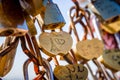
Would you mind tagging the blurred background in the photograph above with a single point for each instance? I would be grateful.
(16, 72)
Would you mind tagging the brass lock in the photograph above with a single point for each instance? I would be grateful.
(11, 24)
(34, 7)
(89, 49)
(111, 58)
(85, 49)
(6, 61)
(53, 18)
(111, 27)
(55, 43)
(71, 72)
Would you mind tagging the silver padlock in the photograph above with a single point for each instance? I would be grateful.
(33, 7)
(11, 19)
(7, 60)
(53, 18)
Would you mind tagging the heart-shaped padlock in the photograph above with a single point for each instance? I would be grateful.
(86, 49)
(89, 49)
(71, 72)
(55, 43)
(112, 59)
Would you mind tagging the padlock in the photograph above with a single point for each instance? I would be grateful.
(106, 9)
(71, 72)
(55, 43)
(34, 7)
(85, 49)
(30, 24)
(6, 61)
(53, 18)
(11, 24)
(110, 58)
(111, 27)
(89, 49)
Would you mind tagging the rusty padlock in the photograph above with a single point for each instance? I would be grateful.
(53, 18)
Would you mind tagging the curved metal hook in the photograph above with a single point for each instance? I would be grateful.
(46, 65)
(27, 52)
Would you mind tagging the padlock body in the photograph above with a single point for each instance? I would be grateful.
(112, 57)
(55, 43)
(53, 18)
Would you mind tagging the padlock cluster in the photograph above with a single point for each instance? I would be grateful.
(99, 41)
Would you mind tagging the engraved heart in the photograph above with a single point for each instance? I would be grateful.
(71, 72)
(55, 43)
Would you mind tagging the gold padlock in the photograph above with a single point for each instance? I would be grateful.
(111, 27)
(111, 58)
(11, 24)
(85, 49)
(71, 72)
(89, 49)
(55, 43)
(53, 18)
(6, 61)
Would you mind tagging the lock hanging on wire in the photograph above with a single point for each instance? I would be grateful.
(53, 17)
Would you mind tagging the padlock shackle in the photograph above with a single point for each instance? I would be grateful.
(87, 28)
(74, 22)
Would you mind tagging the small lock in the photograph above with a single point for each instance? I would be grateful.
(11, 24)
(112, 27)
(111, 58)
(89, 49)
(34, 7)
(6, 61)
(108, 9)
(55, 43)
(71, 72)
(53, 18)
